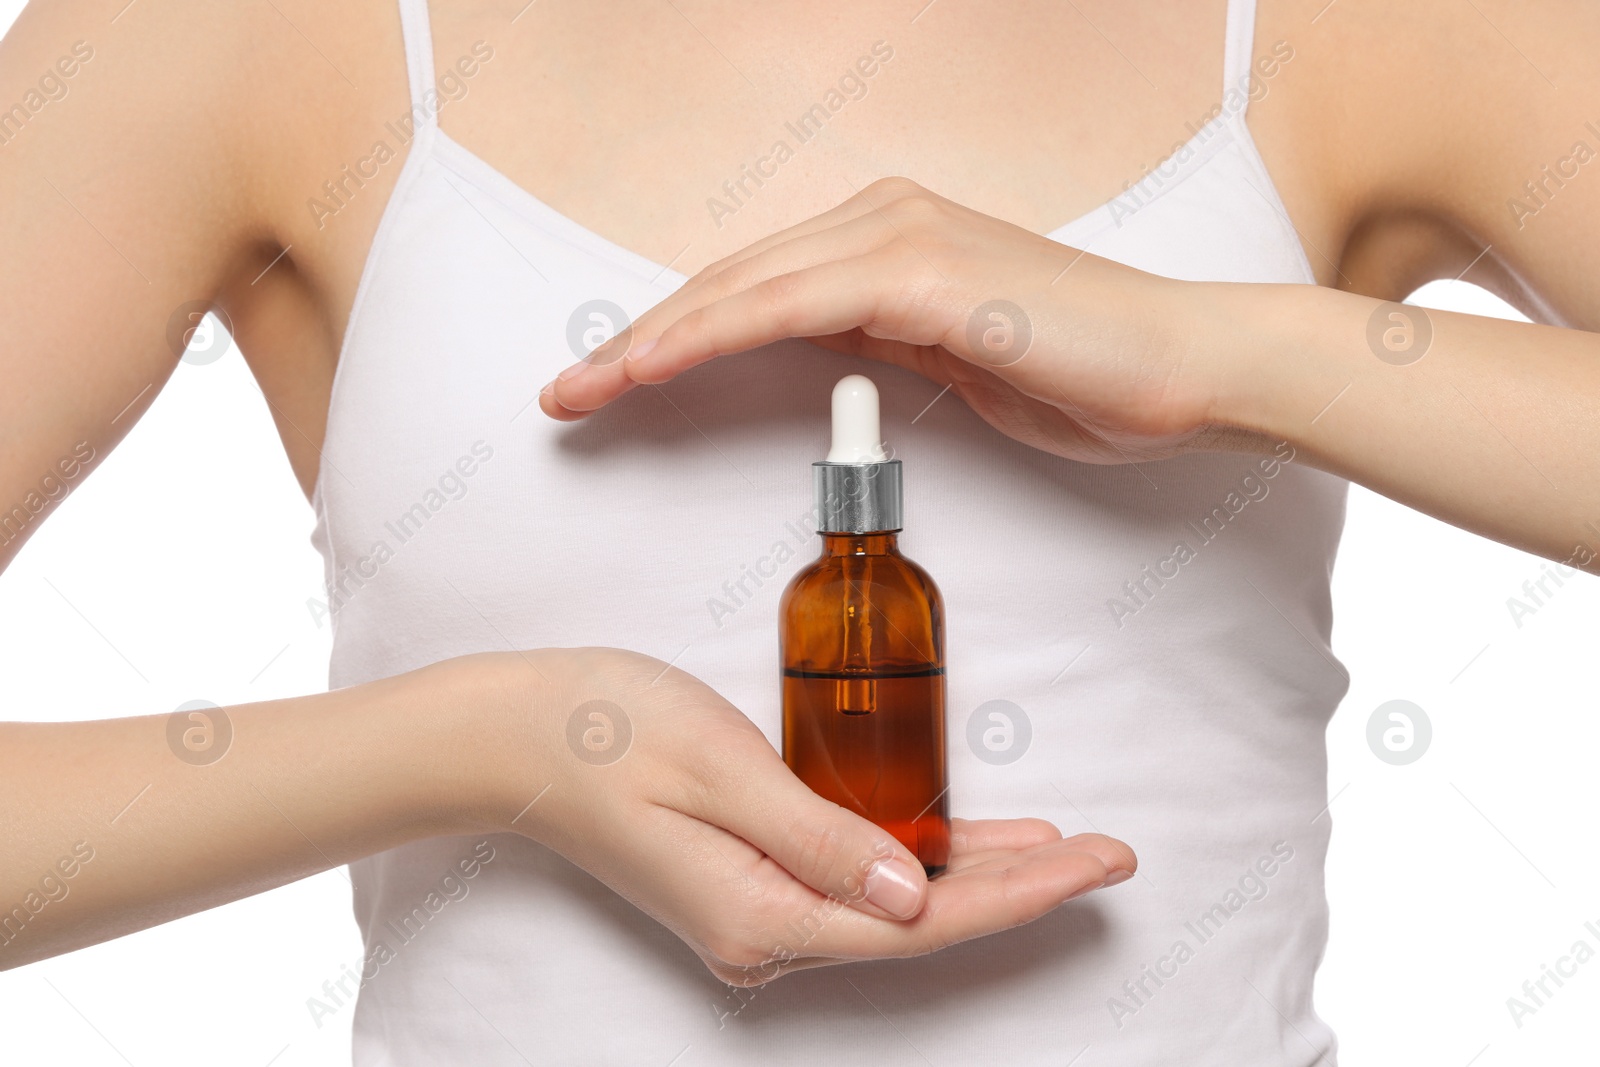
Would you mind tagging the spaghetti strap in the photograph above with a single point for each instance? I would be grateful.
(1236, 54)
(419, 59)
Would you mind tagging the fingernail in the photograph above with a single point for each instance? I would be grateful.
(892, 886)
(640, 350)
(572, 372)
(1117, 877)
(1086, 890)
(548, 390)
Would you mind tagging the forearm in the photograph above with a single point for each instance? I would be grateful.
(110, 829)
(1495, 428)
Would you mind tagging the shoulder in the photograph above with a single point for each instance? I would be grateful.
(1414, 124)
(155, 157)
(211, 108)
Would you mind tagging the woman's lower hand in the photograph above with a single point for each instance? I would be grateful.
(1064, 351)
(668, 794)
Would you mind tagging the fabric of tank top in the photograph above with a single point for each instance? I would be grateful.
(1139, 650)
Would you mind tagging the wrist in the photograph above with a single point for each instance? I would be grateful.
(1267, 369)
(480, 722)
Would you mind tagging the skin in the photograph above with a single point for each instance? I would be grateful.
(179, 167)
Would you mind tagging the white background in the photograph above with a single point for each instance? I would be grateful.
(181, 571)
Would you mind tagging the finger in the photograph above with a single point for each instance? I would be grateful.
(1116, 855)
(828, 848)
(555, 409)
(863, 202)
(829, 298)
(1117, 870)
(833, 297)
(603, 376)
(1120, 863)
(602, 387)
(992, 859)
(980, 835)
(605, 373)
(1119, 860)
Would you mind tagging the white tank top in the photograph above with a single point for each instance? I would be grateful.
(1137, 650)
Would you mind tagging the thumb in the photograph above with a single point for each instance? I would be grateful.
(829, 848)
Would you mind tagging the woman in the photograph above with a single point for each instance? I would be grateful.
(1131, 498)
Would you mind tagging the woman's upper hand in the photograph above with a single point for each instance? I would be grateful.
(1062, 350)
(667, 793)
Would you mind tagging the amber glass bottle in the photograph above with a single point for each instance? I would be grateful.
(861, 633)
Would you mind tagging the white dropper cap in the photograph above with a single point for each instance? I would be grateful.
(858, 485)
(856, 433)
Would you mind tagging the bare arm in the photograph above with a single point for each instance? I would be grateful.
(129, 200)
(121, 202)
(1495, 427)
(116, 825)
(1466, 145)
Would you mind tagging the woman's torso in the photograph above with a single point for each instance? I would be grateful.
(1155, 637)
(630, 119)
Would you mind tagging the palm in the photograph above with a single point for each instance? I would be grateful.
(1061, 428)
(1002, 873)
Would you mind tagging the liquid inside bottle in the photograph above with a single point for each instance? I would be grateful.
(862, 639)
(873, 743)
